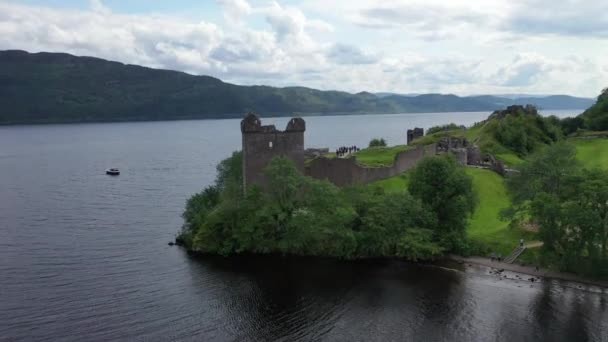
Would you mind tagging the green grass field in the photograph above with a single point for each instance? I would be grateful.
(485, 226)
(592, 152)
(379, 156)
(396, 183)
(511, 159)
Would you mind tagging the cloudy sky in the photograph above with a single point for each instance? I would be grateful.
(407, 46)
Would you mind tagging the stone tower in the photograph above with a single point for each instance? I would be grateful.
(262, 143)
(413, 134)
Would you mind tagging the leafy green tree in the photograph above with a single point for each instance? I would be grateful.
(228, 185)
(377, 142)
(596, 116)
(447, 191)
(571, 125)
(392, 226)
(524, 133)
(416, 244)
(230, 174)
(197, 209)
(569, 204)
(552, 171)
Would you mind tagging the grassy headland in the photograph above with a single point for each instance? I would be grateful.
(379, 156)
(435, 208)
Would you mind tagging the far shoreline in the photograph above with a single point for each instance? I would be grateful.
(233, 116)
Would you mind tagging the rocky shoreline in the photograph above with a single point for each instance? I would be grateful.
(498, 266)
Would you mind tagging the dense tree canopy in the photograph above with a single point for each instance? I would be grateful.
(596, 117)
(446, 190)
(523, 133)
(570, 205)
(299, 215)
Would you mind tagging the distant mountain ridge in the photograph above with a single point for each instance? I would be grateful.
(541, 101)
(58, 87)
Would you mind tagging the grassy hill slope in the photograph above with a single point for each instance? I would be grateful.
(485, 227)
(592, 152)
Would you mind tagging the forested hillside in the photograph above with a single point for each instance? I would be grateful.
(57, 87)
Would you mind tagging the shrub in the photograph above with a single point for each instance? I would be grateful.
(377, 142)
(447, 191)
(448, 127)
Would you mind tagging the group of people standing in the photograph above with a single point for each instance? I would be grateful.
(344, 150)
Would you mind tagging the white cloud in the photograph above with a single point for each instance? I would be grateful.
(235, 10)
(525, 70)
(581, 18)
(456, 46)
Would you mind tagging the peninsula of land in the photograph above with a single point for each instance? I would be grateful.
(517, 187)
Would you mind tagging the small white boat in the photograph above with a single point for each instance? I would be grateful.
(112, 172)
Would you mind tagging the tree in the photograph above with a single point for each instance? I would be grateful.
(447, 191)
(392, 226)
(230, 174)
(571, 125)
(570, 206)
(596, 116)
(377, 142)
(552, 171)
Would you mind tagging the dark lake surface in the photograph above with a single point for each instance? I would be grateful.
(84, 256)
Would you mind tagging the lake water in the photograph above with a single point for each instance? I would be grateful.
(84, 256)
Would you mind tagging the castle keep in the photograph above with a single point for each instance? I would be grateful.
(262, 143)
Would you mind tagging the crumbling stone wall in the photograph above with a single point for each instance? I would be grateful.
(315, 152)
(473, 155)
(489, 161)
(346, 171)
(446, 144)
(458, 146)
(262, 143)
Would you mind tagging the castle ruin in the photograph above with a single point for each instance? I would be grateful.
(262, 143)
(413, 134)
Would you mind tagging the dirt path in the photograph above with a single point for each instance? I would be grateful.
(529, 270)
(534, 244)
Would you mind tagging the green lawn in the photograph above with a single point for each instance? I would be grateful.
(510, 159)
(379, 156)
(592, 152)
(396, 183)
(485, 227)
